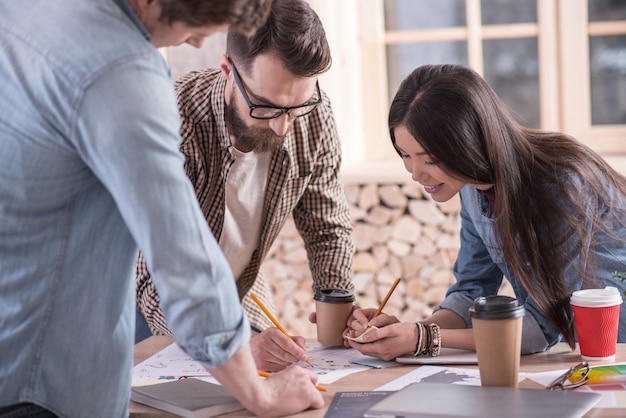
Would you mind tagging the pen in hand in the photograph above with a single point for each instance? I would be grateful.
(274, 321)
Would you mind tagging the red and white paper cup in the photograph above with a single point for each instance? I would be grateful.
(596, 316)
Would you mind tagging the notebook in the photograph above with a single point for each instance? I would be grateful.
(353, 404)
(447, 356)
(191, 398)
(430, 400)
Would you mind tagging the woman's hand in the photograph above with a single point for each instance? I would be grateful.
(390, 340)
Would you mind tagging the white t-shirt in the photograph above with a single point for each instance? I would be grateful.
(245, 194)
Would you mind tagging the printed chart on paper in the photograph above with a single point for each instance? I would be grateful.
(329, 363)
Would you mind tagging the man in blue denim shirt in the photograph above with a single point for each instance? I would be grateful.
(90, 169)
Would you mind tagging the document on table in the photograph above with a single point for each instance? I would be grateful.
(329, 363)
(437, 374)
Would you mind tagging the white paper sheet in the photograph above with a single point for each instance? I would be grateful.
(438, 374)
(329, 363)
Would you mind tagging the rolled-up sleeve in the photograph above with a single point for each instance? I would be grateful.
(475, 271)
(480, 270)
(322, 215)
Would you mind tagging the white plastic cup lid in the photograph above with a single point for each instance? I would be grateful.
(596, 298)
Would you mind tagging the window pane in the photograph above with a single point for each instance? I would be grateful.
(608, 79)
(607, 10)
(497, 12)
(404, 58)
(424, 14)
(185, 58)
(511, 69)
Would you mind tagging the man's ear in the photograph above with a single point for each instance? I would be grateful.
(225, 66)
(142, 7)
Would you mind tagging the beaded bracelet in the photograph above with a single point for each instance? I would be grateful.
(428, 340)
(435, 343)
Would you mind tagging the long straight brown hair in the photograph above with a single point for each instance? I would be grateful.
(541, 179)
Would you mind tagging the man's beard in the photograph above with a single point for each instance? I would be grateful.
(251, 138)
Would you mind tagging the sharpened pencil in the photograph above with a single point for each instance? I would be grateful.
(384, 302)
(274, 321)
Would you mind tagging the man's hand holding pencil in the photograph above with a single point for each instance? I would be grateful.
(274, 349)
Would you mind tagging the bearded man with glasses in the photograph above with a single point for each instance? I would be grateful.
(261, 144)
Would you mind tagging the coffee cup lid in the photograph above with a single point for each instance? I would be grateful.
(334, 295)
(596, 298)
(496, 307)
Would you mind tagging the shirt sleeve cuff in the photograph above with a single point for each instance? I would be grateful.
(459, 304)
(215, 350)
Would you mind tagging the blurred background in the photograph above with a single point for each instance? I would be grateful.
(559, 64)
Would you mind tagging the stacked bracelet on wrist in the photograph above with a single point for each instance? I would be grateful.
(419, 348)
(435, 340)
(428, 340)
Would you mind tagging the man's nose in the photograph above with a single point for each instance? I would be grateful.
(280, 125)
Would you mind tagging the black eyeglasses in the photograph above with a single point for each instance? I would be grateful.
(573, 378)
(271, 112)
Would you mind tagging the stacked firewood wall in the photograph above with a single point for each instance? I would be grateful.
(398, 232)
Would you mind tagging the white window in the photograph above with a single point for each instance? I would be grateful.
(559, 64)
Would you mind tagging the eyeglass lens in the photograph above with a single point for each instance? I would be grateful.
(261, 112)
(271, 112)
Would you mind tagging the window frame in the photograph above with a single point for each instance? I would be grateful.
(562, 31)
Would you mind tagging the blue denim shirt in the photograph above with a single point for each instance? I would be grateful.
(89, 169)
(480, 268)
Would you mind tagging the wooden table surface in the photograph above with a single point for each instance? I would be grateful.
(559, 357)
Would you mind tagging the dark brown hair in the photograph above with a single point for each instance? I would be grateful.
(293, 31)
(541, 179)
(243, 16)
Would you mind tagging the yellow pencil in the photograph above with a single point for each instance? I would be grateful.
(266, 374)
(384, 302)
(274, 321)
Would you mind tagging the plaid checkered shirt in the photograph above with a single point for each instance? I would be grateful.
(303, 180)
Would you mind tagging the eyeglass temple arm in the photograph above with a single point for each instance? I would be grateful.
(559, 381)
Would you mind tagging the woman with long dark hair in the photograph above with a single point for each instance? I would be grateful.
(539, 208)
